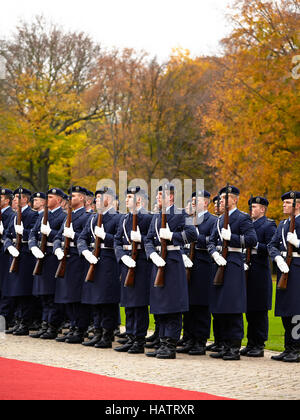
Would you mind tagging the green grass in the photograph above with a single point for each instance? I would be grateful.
(276, 330)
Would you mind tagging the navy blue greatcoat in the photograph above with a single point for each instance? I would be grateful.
(45, 283)
(173, 297)
(20, 283)
(231, 296)
(7, 216)
(202, 270)
(106, 285)
(259, 285)
(287, 301)
(139, 294)
(69, 288)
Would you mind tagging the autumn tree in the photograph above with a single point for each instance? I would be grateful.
(253, 122)
(47, 74)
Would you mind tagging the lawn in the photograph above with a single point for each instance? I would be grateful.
(276, 331)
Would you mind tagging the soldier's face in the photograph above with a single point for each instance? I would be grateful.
(24, 201)
(232, 202)
(168, 201)
(288, 207)
(78, 200)
(38, 203)
(130, 201)
(257, 211)
(53, 201)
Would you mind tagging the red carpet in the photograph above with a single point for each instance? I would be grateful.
(30, 381)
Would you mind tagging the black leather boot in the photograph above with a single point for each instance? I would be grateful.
(138, 346)
(50, 334)
(41, 331)
(223, 348)
(77, 337)
(198, 349)
(106, 340)
(22, 330)
(187, 346)
(162, 343)
(293, 356)
(168, 351)
(125, 347)
(95, 339)
(233, 352)
(256, 351)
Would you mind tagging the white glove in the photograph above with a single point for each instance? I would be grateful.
(45, 229)
(157, 260)
(1, 228)
(166, 233)
(69, 232)
(37, 252)
(292, 238)
(13, 251)
(128, 261)
(246, 267)
(136, 236)
(89, 256)
(59, 254)
(188, 263)
(226, 233)
(281, 264)
(99, 231)
(219, 259)
(19, 229)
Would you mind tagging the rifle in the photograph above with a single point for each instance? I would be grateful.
(219, 277)
(282, 284)
(38, 269)
(129, 281)
(248, 251)
(160, 275)
(192, 249)
(14, 268)
(91, 273)
(61, 269)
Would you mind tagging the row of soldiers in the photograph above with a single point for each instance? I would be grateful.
(180, 304)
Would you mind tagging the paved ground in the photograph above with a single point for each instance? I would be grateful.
(247, 379)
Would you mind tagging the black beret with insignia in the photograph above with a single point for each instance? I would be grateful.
(290, 195)
(231, 190)
(258, 200)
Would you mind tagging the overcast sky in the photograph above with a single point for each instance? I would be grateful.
(156, 26)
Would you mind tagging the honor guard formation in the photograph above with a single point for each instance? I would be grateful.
(69, 261)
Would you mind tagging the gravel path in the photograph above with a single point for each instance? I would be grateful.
(247, 379)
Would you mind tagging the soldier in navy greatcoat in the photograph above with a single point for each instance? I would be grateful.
(7, 213)
(19, 284)
(228, 301)
(69, 289)
(44, 285)
(104, 292)
(198, 318)
(287, 304)
(259, 281)
(135, 299)
(171, 301)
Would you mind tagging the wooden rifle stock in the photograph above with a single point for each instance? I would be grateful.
(248, 250)
(219, 277)
(38, 269)
(283, 281)
(14, 268)
(61, 269)
(91, 273)
(160, 275)
(129, 280)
